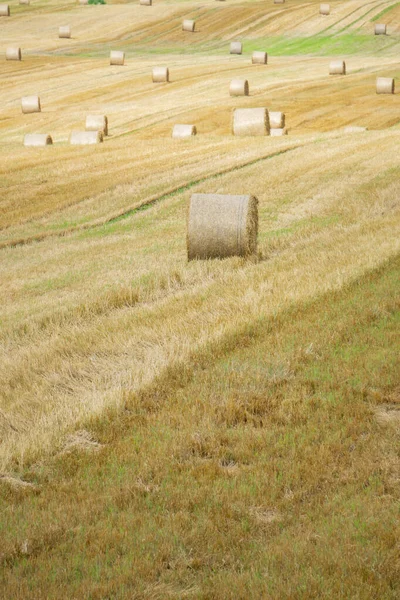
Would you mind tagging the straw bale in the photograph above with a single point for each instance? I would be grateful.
(222, 225)
(188, 25)
(83, 1)
(279, 1)
(259, 58)
(38, 139)
(278, 131)
(236, 48)
(64, 31)
(4, 10)
(354, 129)
(30, 104)
(117, 57)
(146, 2)
(13, 54)
(250, 121)
(239, 87)
(380, 29)
(81, 138)
(24, 1)
(276, 119)
(183, 131)
(337, 67)
(97, 123)
(324, 9)
(384, 85)
(160, 74)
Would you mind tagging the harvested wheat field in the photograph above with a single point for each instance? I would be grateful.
(218, 428)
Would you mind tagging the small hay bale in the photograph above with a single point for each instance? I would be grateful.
(324, 9)
(276, 119)
(250, 121)
(354, 129)
(188, 25)
(146, 2)
(4, 10)
(239, 87)
(64, 31)
(97, 123)
(380, 29)
(31, 104)
(236, 48)
(82, 138)
(337, 67)
(278, 131)
(222, 225)
(117, 57)
(160, 74)
(259, 58)
(38, 139)
(84, 2)
(279, 1)
(384, 85)
(13, 54)
(24, 1)
(184, 131)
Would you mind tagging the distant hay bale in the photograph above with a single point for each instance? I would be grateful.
(220, 226)
(24, 1)
(146, 2)
(259, 58)
(4, 10)
(380, 29)
(160, 74)
(117, 57)
(236, 48)
(324, 9)
(30, 104)
(279, 1)
(188, 25)
(250, 122)
(64, 31)
(239, 87)
(278, 131)
(384, 85)
(354, 129)
(82, 138)
(83, 1)
(184, 131)
(337, 67)
(38, 139)
(97, 123)
(276, 119)
(13, 54)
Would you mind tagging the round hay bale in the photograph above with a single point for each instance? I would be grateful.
(64, 31)
(82, 138)
(276, 119)
(4, 10)
(354, 129)
(384, 85)
(337, 67)
(84, 2)
(97, 123)
(279, 131)
(235, 48)
(239, 87)
(324, 9)
(117, 57)
(184, 131)
(24, 1)
(160, 74)
(13, 54)
(38, 139)
(250, 121)
(188, 25)
(30, 104)
(221, 225)
(279, 1)
(259, 58)
(146, 2)
(380, 29)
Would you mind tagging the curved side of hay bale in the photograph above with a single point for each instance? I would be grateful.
(146, 2)
(117, 57)
(324, 9)
(4, 10)
(235, 48)
(250, 122)
(337, 67)
(184, 131)
(97, 123)
(160, 74)
(188, 25)
(30, 104)
(380, 29)
(259, 58)
(384, 85)
(82, 138)
(239, 87)
(276, 119)
(64, 31)
(38, 139)
(221, 225)
(278, 131)
(13, 54)
(354, 129)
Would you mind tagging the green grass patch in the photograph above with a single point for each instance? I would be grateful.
(385, 11)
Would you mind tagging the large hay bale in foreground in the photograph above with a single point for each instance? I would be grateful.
(380, 29)
(259, 58)
(188, 25)
(337, 67)
(324, 9)
(38, 139)
(384, 85)
(83, 138)
(117, 57)
(235, 48)
(64, 31)
(239, 87)
(222, 225)
(250, 122)
(4, 10)
(146, 2)
(276, 119)
(13, 54)
(97, 123)
(30, 104)
(278, 131)
(160, 74)
(184, 131)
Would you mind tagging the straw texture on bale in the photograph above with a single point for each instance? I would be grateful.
(160, 74)
(4, 10)
(31, 104)
(250, 121)
(183, 131)
(354, 129)
(278, 131)
(64, 31)
(117, 57)
(188, 25)
(221, 225)
(259, 58)
(380, 29)
(235, 48)
(239, 87)
(324, 9)
(146, 2)
(384, 85)
(337, 67)
(13, 54)
(276, 119)
(82, 138)
(97, 123)
(37, 139)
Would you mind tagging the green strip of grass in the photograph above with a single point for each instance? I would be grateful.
(385, 11)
